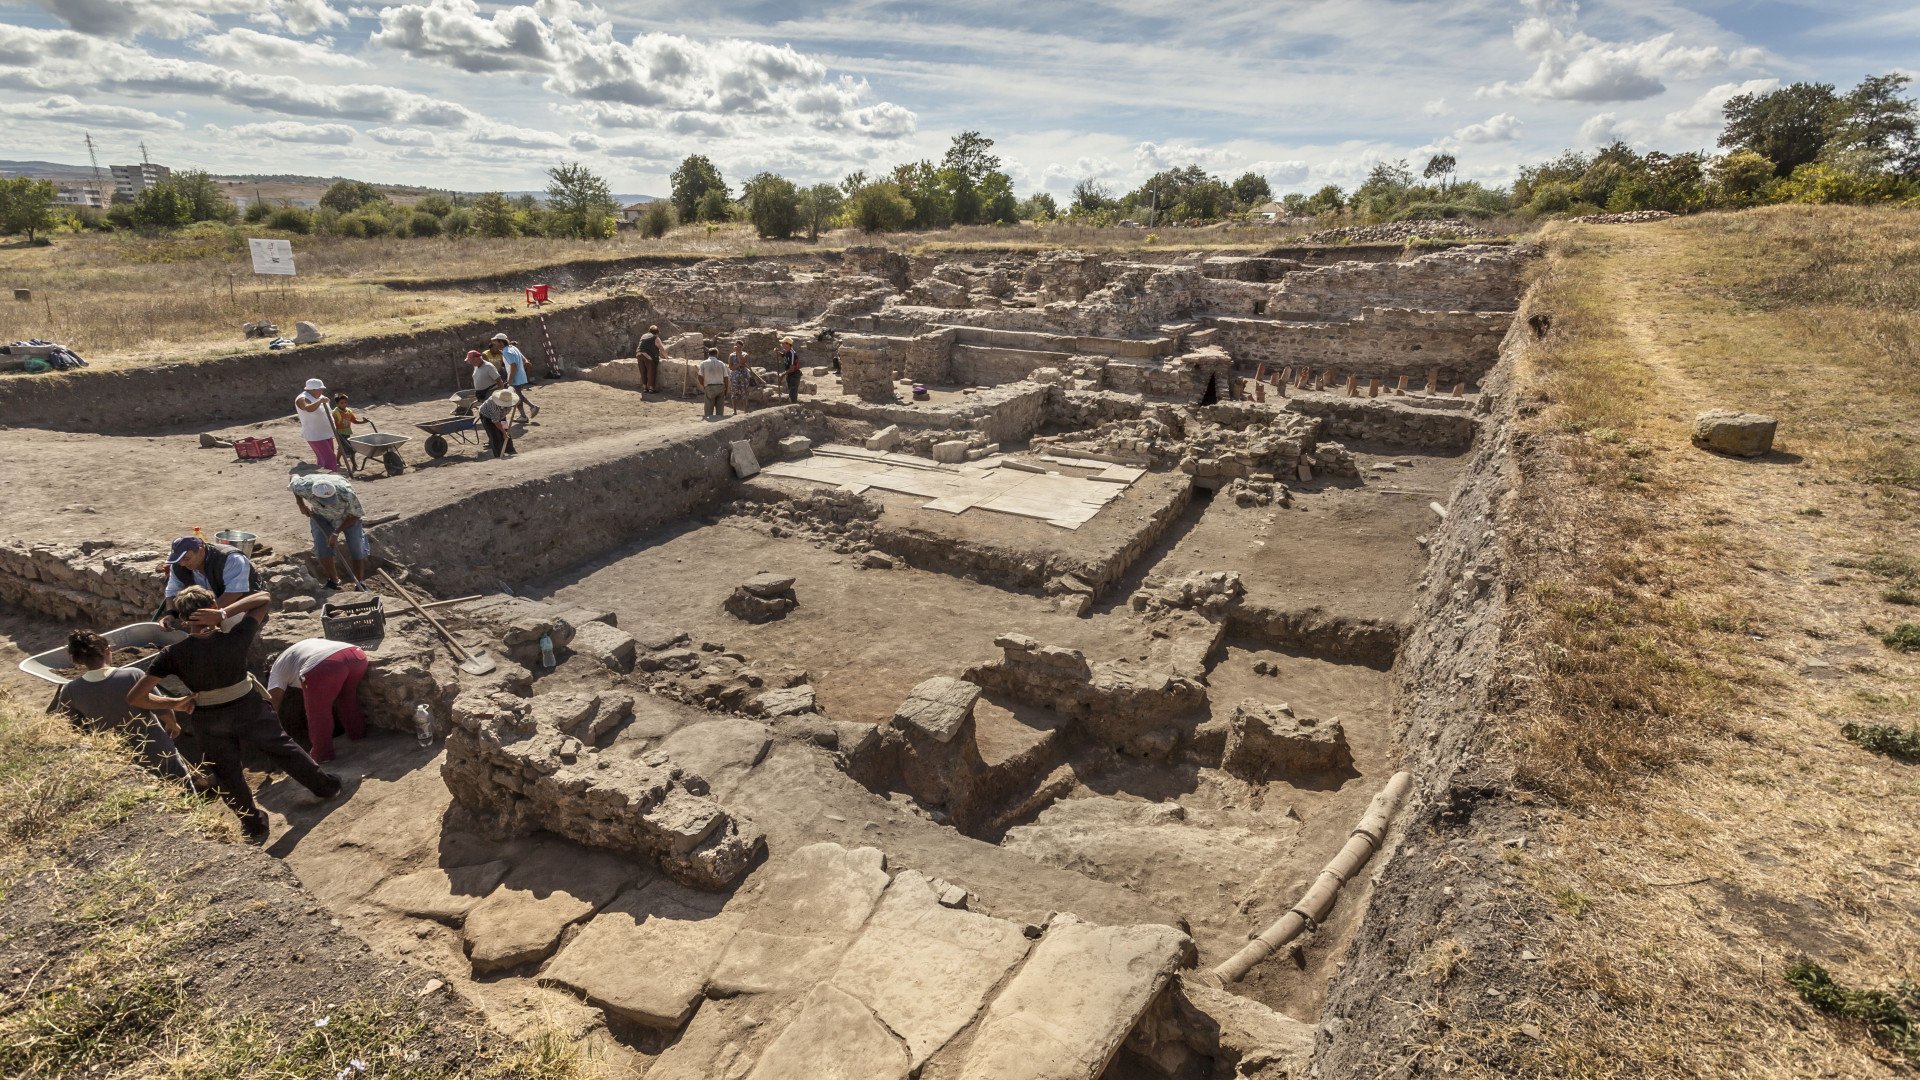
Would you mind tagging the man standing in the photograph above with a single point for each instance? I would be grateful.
(315, 410)
(496, 416)
(506, 355)
(486, 377)
(648, 353)
(327, 674)
(225, 709)
(713, 383)
(193, 561)
(333, 510)
(790, 361)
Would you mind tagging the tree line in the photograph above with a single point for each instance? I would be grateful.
(1806, 143)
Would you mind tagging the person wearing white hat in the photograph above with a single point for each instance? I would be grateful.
(496, 414)
(333, 513)
(312, 408)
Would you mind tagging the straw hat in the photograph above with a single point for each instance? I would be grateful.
(504, 399)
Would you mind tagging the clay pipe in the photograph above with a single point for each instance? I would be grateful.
(1318, 900)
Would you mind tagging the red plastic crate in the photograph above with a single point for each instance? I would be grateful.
(255, 449)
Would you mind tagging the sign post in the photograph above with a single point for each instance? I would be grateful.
(272, 257)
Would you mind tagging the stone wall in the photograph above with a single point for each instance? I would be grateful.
(610, 492)
(1384, 342)
(170, 397)
(869, 364)
(1398, 421)
(1473, 278)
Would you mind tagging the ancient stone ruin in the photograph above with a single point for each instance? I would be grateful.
(1054, 642)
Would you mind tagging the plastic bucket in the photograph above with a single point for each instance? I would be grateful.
(234, 538)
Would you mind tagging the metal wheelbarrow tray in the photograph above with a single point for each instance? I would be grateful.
(384, 446)
(438, 430)
(149, 634)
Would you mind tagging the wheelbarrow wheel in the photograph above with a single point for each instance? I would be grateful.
(392, 460)
(436, 446)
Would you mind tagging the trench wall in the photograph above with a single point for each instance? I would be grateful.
(1389, 420)
(1387, 342)
(1376, 1010)
(163, 398)
(578, 510)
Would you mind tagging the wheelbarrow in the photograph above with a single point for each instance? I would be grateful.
(462, 427)
(382, 445)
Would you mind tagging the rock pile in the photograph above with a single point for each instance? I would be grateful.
(763, 597)
(1398, 232)
(1264, 742)
(1624, 219)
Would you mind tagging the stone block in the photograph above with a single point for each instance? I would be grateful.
(611, 647)
(740, 455)
(645, 957)
(521, 921)
(814, 901)
(444, 895)
(1740, 434)
(884, 440)
(938, 708)
(836, 1036)
(1268, 741)
(794, 446)
(950, 453)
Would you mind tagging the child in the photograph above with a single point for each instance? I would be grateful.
(343, 421)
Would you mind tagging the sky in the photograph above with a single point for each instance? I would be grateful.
(472, 96)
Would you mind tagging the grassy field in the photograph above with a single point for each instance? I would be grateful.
(1702, 644)
(118, 926)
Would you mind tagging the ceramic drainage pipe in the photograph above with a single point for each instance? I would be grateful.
(1313, 906)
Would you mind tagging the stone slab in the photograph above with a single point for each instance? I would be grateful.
(924, 968)
(741, 455)
(1065, 1014)
(835, 1037)
(645, 957)
(444, 895)
(938, 707)
(812, 903)
(521, 921)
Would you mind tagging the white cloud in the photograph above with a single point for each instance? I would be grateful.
(179, 18)
(640, 81)
(66, 109)
(251, 47)
(1502, 128)
(1707, 111)
(522, 138)
(393, 136)
(1574, 66)
(88, 65)
(1436, 107)
(291, 132)
(1281, 173)
(1152, 157)
(1602, 129)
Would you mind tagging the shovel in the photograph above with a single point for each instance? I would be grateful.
(477, 663)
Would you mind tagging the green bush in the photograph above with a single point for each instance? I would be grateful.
(291, 219)
(1902, 744)
(656, 219)
(258, 211)
(1889, 1016)
(423, 224)
(879, 208)
(1905, 637)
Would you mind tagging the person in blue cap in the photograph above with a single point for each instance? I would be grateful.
(217, 568)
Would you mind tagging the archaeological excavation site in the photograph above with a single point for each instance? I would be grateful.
(1049, 692)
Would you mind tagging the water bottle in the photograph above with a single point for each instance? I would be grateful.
(423, 725)
(546, 651)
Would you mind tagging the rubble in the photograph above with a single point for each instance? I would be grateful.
(763, 597)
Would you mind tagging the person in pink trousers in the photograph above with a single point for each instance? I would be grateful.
(314, 408)
(327, 674)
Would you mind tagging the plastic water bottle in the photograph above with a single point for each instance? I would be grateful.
(423, 725)
(546, 651)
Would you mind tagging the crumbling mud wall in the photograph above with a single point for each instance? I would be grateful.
(1377, 1008)
(163, 398)
(596, 497)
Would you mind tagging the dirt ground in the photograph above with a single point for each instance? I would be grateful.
(67, 487)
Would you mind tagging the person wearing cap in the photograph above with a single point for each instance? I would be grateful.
(314, 409)
(194, 561)
(496, 415)
(486, 377)
(713, 383)
(225, 707)
(505, 354)
(333, 511)
(648, 353)
(790, 368)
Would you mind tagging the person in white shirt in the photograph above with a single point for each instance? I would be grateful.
(314, 409)
(486, 377)
(327, 674)
(713, 382)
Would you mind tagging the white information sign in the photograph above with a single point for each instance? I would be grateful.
(272, 256)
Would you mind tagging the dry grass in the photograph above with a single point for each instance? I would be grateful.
(1695, 634)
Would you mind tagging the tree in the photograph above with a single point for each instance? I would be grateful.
(1327, 198)
(854, 181)
(880, 208)
(1440, 167)
(1091, 196)
(927, 191)
(714, 206)
(161, 207)
(818, 205)
(1875, 129)
(773, 205)
(1038, 207)
(1250, 189)
(579, 203)
(26, 205)
(1742, 177)
(1788, 126)
(436, 203)
(258, 211)
(492, 215)
(346, 196)
(964, 171)
(997, 203)
(205, 201)
(656, 219)
(692, 181)
(969, 156)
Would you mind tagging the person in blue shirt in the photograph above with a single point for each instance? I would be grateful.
(512, 363)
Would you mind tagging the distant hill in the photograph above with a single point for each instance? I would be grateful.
(48, 170)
